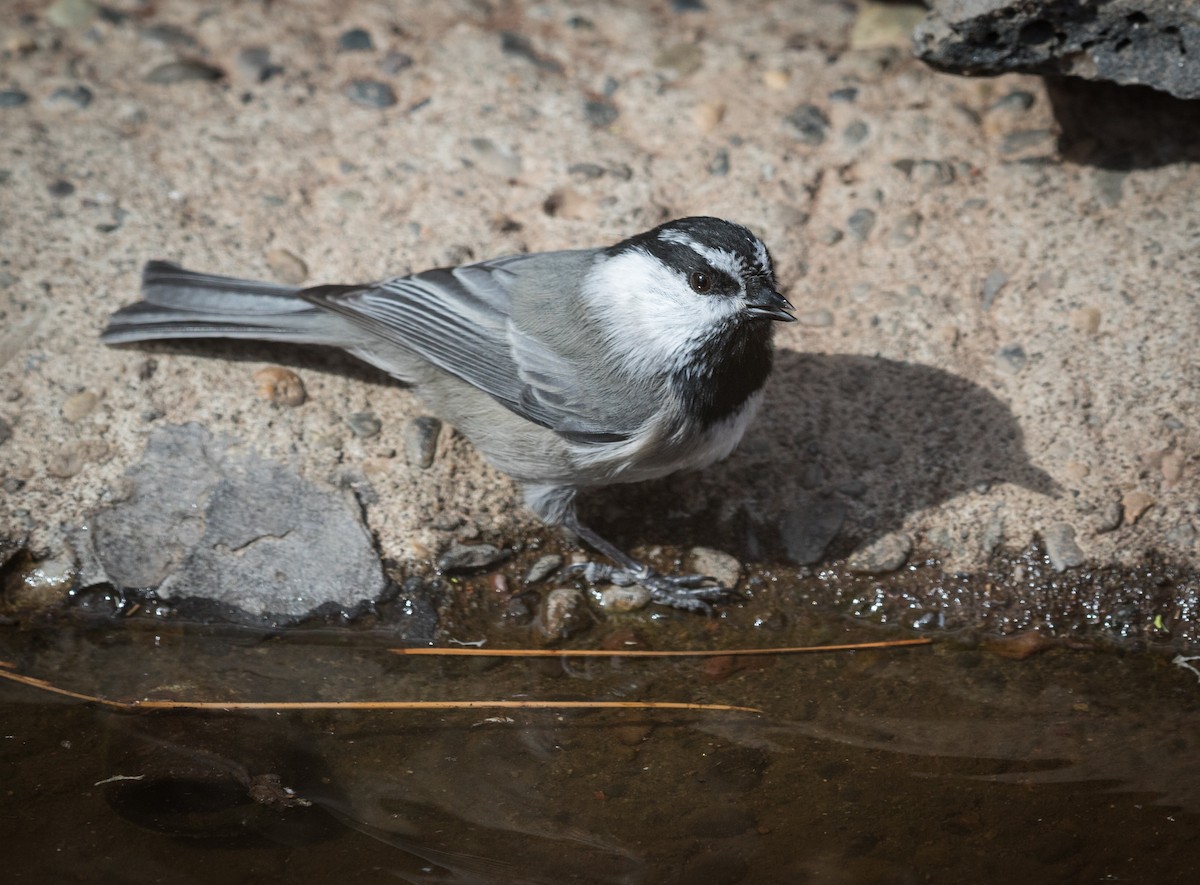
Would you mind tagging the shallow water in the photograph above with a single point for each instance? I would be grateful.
(942, 763)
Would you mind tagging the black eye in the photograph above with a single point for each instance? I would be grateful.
(700, 281)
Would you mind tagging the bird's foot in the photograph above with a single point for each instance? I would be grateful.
(690, 592)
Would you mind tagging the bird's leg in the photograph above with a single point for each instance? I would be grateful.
(691, 592)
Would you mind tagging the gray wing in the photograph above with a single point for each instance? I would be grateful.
(460, 320)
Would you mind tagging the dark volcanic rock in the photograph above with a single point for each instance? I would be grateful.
(1125, 41)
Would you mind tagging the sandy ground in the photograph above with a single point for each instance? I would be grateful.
(997, 336)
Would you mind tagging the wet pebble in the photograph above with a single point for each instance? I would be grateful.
(600, 114)
(808, 527)
(809, 123)
(467, 557)
(78, 97)
(563, 613)
(421, 440)
(887, 554)
(715, 564)
(624, 599)
(370, 93)
(355, 40)
(861, 222)
(364, 425)
(991, 286)
(1061, 548)
(543, 568)
(287, 267)
(13, 98)
(184, 71)
(280, 386)
(79, 406)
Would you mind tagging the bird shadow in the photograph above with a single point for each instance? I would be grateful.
(872, 439)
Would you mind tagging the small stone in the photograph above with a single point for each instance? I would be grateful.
(1064, 553)
(932, 173)
(809, 124)
(776, 79)
(861, 222)
(70, 13)
(370, 93)
(720, 163)
(1076, 471)
(566, 202)
(168, 35)
(845, 95)
(543, 568)
(586, 171)
(280, 386)
(715, 564)
(395, 62)
(1018, 100)
(1172, 467)
(624, 599)
(1085, 320)
(563, 613)
(991, 286)
(856, 133)
(13, 98)
(1025, 139)
(1109, 518)
(688, 5)
(885, 25)
(364, 425)
(1134, 504)
(421, 440)
(256, 61)
(185, 71)
(287, 267)
(60, 188)
(5, 431)
(600, 114)
(882, 556)
(1109, 185)
(78, 97)
(355, 40)
(818, 318)
(1012, 358)
(907, 229)
(683, 58)
(79, 406)
(708, 116)
(809, 527)
(512, 43)
(468, 557)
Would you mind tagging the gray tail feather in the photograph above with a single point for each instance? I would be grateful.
(180, 303)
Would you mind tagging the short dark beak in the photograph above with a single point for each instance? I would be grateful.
(763, 302)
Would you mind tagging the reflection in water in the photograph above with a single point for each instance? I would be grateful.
(938, 765)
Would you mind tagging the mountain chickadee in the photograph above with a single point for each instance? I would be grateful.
(567, 370)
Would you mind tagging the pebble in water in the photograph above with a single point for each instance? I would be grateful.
(468, 557)
(563, 614)
(543, 568)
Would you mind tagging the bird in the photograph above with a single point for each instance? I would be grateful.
(568, 370)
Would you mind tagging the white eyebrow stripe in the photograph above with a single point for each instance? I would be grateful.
(761, 256)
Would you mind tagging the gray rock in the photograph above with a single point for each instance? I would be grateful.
(512, 43)
(883, 555)
(78, 96)
(395, 62)
(1064, 553)
(861, 222)
(355, 40)
(856, 133)
(1125, 41)
(564, 613)
(168, 35)
(907, 229)
(364, 425)
(421, 439)
(1013, 358)
(845, 95)
(13, 98)
(370, 93)
(468, 557)
(807, 528)
(543, 568)
(207, 520)
(809, 123)
(185, 71)
(60, 188)
(991, 286)
(1017, 101)
(600, 114)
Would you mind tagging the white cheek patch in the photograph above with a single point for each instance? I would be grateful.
(649, 313)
